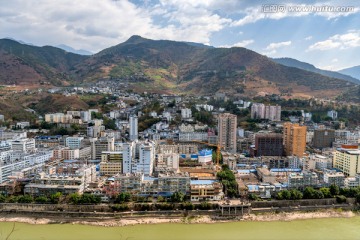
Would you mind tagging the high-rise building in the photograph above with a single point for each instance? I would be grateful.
(257, 111)
(73, 142)
(260, 111)
(185, 113)
(100, 145)
(294, 139)
(347, 160)
(333, 114)
(111, 163)
(139, 157)
(323, 138)
(133, 121)
(269, 144)
(227, 126)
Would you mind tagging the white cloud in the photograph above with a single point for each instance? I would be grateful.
(272, 48)
(350, 39)
(290, 9)
(243, 43)
(308, 38)
(94, 24)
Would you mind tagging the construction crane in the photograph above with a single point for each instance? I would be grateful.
(218, 151)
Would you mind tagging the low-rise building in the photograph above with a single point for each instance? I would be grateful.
(45, 184)
(302, 180)
(332, 177)
(206, 190)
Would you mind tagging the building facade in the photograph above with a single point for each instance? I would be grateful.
(294, 137)
(227, 125)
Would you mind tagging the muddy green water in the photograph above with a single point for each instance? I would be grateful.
(329, 228)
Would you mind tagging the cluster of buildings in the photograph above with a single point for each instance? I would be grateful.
(168, 158)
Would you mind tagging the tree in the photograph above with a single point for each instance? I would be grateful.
(2, 198)
(340, 199)
(178, 197)
(25, 199)
(295, 194)
(357, 196)
(123, 197)
(326, 192)
(74, 198)
(318, 194)
(334, 190)
(41, 199)
(88, 198)
(109, 123)
(309, 193)
(286, 194)
(55, 198)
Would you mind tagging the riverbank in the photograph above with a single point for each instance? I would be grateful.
(111, 222)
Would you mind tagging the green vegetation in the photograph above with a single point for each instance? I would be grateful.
(310, 193)
(123, 197)
(292, 194)
(85, 198)
(144, 122)
(120, 207)
(227, 178)
(178, 197)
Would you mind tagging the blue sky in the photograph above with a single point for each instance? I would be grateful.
(306, 30)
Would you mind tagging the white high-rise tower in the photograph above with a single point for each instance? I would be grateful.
(133, 120)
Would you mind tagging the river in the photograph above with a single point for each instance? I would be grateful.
(326, 228)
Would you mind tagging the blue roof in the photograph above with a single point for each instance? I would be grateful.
(253, 187)
(285, 170)
(241, 165)
(202, 182)
(147, 178)
(165, 194)
(243, 171)
(70, 161)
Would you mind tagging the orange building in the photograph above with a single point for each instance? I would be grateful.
(294, 139)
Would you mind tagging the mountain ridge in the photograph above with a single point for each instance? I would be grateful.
(352, 71)
(168, 66)
(291, 62)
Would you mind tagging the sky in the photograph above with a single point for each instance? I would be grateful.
(323, 33)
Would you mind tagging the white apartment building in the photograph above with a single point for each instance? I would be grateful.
(58, 118)
(133, 122)
(24, 162)
(193, 136)
(73, 142)
(168, 161)
(23, 144)
(206, 107)
(139, 157)
(348, 161)
(260, 111)
(186, 113)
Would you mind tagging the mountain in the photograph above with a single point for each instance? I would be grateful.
(353, 71)
(72, 50)
(26, 64)
(179, 67)
(167, 67)
(290, 62)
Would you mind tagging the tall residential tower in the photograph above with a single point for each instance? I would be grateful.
(227, 125)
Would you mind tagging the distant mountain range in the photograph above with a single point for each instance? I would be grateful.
(72, 50)
(353, 71)
(167, 66)
(290, 62)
